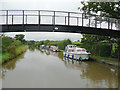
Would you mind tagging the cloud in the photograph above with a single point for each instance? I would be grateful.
(38, 36)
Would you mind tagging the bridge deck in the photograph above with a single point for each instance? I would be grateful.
(58, 21)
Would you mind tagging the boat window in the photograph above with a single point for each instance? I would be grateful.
(72, 50)
(70, 46)
(69, 50)
(83, 50)
(79, 50)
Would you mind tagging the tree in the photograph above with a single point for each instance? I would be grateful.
(20, 37)
(104, 9)
(107, 9)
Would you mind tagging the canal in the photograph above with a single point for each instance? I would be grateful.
(45, 69)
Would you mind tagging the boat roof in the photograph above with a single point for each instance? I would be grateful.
(80, 48)
(71, 45)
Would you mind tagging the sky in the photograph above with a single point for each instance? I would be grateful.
(58, 5)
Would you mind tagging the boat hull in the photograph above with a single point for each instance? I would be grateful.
(77, 56)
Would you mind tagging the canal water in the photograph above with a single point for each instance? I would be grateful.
(45, 69)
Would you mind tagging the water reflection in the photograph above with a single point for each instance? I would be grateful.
(47, 63)
(31, 47)
(100, 74)
(10, 65)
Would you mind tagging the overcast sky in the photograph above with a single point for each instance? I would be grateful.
(59, 5)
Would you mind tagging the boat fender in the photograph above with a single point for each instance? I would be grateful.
(89, 57)
(68, 56)
(72, 56)
(65, 55)
(80, 58)
(76, 59)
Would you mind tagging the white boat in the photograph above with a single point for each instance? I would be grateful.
(71, 51)
(42, 46)
(54, 48)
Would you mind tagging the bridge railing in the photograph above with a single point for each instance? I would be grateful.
(12, 17)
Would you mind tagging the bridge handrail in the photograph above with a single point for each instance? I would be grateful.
(83, 16)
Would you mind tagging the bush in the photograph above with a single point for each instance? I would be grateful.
(11, 49)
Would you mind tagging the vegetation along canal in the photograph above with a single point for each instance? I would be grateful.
(45, 69)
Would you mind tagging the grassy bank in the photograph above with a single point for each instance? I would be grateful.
(4, 57)
(106, 60)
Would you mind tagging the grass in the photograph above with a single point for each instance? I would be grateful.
(106, 58)
(4, 56)
(8, 56)
(76, 43)
(20, 49)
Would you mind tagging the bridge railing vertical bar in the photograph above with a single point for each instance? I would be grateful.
(68, 18)
(54, 19)
(82, 19)
(89, 21)
(12, 19)
(77, 21)
(39, 21)
(26, 19)
(23, 18)
(7, 17)
(100, 23)
(95, 21)
(108, 23)
(65, 20)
